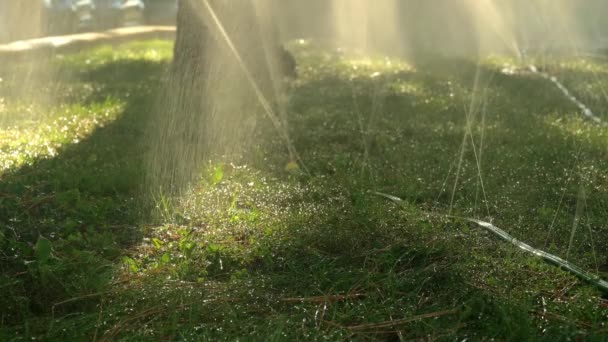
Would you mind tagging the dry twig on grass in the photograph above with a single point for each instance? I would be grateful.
(396, 322)
(323, 299)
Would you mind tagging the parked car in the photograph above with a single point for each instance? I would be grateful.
(67, 16)
(59, 17)
(161, 12)
(118, 13)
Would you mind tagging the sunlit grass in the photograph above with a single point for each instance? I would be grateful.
(30, 138)
(154, 51)
(69, 172)
(349, 65)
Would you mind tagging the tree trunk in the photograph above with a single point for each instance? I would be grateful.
(226, 72)
(192, 33)
(207, 28)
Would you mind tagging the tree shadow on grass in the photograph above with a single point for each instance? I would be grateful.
(84, 202)
(410, 143)
(331, 256)
(65, 220)
(332, 260)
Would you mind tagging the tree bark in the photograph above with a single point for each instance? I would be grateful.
(226, 70)
(192, 34)
(247, 24)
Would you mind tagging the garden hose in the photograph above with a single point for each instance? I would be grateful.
(550, 258)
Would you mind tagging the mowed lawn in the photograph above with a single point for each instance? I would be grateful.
(259, 249)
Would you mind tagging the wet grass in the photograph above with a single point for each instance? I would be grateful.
(256, 250)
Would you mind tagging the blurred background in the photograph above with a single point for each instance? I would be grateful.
(59, 17)
(394, 27)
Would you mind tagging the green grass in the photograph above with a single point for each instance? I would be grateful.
(257, 251)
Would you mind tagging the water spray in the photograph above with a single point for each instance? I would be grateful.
(567, 93)
(279, 125)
